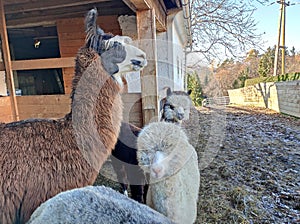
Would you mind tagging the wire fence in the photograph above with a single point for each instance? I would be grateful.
(221, 101)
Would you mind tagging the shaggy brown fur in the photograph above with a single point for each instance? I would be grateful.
(40, 158)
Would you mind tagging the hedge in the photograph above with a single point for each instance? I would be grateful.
(279, 78)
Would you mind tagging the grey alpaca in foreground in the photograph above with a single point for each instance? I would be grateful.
(95, 205)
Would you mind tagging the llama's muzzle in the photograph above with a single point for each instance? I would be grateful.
(137, 64)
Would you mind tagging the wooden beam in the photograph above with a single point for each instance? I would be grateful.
(31, 17)
(66, 62)
(130, 5)
(7, 62)
(147, 37)
(46, 5)
(138, 4)
(161, 15)
(158, 6)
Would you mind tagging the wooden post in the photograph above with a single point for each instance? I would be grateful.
(283, 39)
(278, 42)
(281, 34)
(147, 36)
(7, 63)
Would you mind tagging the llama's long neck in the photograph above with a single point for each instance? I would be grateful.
(96, 111)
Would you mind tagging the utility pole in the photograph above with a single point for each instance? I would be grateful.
(281, 36)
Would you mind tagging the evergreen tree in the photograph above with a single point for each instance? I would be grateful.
(193, 83)
(293, 51)
(240, 81)
(266, 62)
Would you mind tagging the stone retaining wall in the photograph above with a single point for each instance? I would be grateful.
(283, 97)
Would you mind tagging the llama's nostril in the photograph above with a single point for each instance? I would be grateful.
(135, 62)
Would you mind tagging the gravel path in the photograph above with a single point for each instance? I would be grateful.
(250, 165)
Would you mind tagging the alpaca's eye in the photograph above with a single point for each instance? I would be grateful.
(145, 158)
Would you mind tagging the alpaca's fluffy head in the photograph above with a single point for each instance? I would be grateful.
(117, 52)
(163, 149)
(176, 106)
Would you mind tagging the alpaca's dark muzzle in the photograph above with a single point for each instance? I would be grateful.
(180, 116)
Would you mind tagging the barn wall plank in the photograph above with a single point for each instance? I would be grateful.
(57, 106)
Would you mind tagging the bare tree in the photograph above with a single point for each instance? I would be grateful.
(223, 27)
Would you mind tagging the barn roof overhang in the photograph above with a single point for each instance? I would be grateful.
(26, 13)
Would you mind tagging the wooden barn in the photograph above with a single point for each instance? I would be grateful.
(40, 39)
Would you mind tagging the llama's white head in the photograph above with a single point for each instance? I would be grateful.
(176, 106)
(117, 53)
(135, 58)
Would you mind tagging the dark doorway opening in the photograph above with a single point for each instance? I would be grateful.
(36, 43)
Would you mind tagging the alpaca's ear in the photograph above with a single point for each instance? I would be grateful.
(162, 103)
(169, 91)
(189, 92)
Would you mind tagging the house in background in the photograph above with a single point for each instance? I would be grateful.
(170, 52)
(40, 40)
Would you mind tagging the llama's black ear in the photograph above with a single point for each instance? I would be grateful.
(93, 33)
(169, 91)
(189, 92)
(91, 22)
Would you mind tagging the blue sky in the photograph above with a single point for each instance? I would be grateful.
(267, 18)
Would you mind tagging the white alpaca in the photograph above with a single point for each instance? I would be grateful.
(175, 107)
(164, 152)
(95, 205)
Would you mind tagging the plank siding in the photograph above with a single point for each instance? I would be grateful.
(132, 111)
(71, 37)
(45, 106)
(57, 106)
(5, 108)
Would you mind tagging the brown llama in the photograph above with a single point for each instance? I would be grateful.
(40, 158)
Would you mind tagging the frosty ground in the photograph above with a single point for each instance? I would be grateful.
(250, 166)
